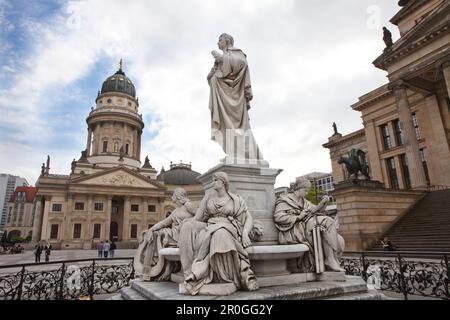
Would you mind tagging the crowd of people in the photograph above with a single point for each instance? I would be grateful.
(106, 249)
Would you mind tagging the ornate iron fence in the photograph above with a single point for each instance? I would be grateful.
(65, 280)
(408, 273)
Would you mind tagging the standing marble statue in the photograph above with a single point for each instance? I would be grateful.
(148, 263)
(212, 245)
(295, 217)
(229, 101)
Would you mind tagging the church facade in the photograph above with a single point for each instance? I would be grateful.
(108, 195)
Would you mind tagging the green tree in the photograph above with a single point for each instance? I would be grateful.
(314, 194)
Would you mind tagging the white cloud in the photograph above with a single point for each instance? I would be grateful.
(308, 63)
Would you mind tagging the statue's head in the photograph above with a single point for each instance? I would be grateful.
(220, 179)
(180, 196)
(225, 41)
(301, 186)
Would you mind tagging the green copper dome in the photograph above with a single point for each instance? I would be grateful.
(119, 82)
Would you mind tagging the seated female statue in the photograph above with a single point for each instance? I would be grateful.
(148, 263)
(212, 245)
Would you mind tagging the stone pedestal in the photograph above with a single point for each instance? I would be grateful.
(255, 183)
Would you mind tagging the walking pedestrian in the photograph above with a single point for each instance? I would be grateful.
(37, 252)
(48, 249)
(100, 249)
(106, 247)
(112, 248)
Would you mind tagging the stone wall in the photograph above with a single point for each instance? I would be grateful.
(366, 210)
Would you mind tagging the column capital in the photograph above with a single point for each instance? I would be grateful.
(397, 85)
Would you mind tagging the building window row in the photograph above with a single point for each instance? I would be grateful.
(399, 136)
(99, 206)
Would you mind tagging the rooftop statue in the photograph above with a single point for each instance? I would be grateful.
(387, 37)
(229, 101)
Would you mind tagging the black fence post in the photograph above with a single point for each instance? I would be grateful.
(363, 271)
(401, 279)
(447, 280)
(60, 291)
(19, 291)
(92, 284)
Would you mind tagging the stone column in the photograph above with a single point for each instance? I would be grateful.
(108, 218)
(89, 142)
(66, 227)
(373, 152)
(144, 213)
(126, 219)
(37, 221)
(400, 175)
(89, 227)
(417, 174)
(139, 134)
(135, 143)
(446, 71)
(45, 224)
(439, 148)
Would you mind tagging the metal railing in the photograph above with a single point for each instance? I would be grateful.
(65, 280)
(409, 273)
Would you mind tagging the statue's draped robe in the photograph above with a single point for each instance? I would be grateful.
(229, 102)
(294, 220)
(148, 261)
(211, 250)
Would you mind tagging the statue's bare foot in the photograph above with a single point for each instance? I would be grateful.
(334, 266)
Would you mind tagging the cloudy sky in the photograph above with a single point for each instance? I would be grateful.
(309, 61)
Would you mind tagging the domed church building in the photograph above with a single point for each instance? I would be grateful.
(109, 194)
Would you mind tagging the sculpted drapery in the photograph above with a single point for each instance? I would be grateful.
(295, 217)
(212, 245)
(229, 102)
(148, 263)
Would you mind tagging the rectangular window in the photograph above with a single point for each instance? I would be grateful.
(416, 126)
(405, 171)
(79, 205)
(134, 208)
(105, 146)
(386, 137)
(97, 230)
(133, 234)
(126, 149)
(425, 166)
(77, 231)
(56, 207)
(398, 133)
(151, 208)
(98, 206)
(54, 231)
(392, 173)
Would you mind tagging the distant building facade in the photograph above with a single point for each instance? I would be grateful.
(109, 195)
(406, 134)
(20, 212)
(322, 180)
(8, 183)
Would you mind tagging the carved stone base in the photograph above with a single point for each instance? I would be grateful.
(331, 276)
(215, 289)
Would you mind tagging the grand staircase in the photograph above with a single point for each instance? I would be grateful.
(426, 227)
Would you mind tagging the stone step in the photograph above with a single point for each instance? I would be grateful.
(128, 293)
(370, 295)
(304, 291)
(116, 297)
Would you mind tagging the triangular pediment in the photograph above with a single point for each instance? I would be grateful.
(118, 177)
